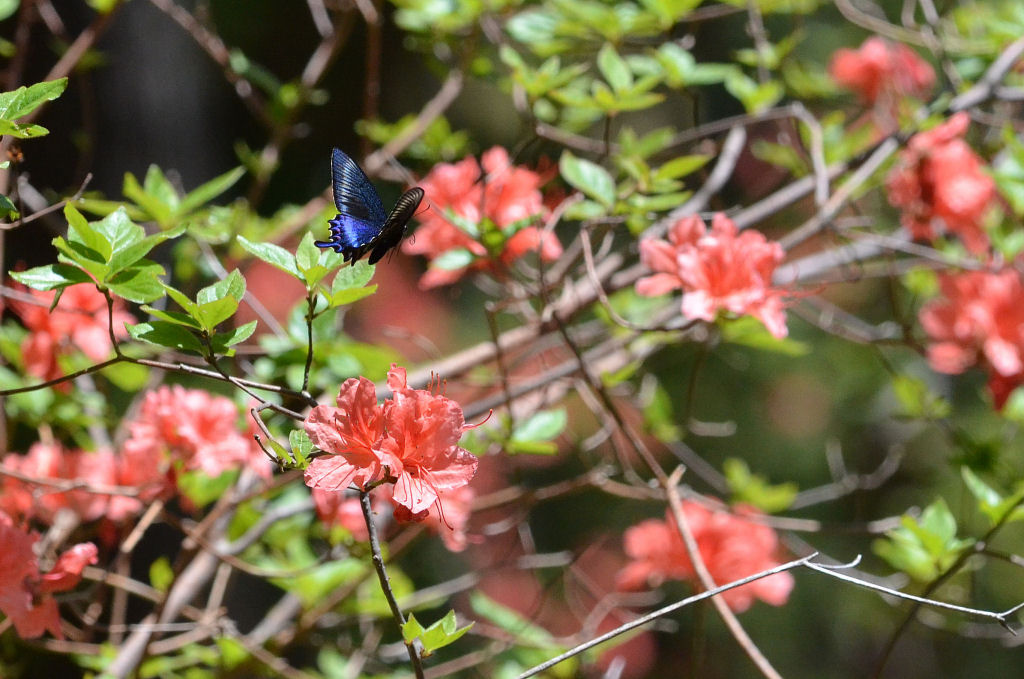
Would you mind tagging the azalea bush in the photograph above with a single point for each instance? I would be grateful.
(702, 355)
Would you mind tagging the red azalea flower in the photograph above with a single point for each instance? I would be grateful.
(410, 440)
(192, 427)
(79, 322)
(718, 270)
(507, 197)
(979, 319)
(731, 547)
(25, 595)
(879, 69)
(939, 182)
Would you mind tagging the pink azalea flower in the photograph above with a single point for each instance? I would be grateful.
(410, 440)
(193, 428)
(732, 547)
(879, 69)
(978, 319)
(336, 508)
(507, 195)
(26, 595)
(50, 461)
(718, 270)
(939, 182)
(78, 323)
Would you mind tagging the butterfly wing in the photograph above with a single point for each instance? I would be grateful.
(360, 216)
(361, 224)
(354, 195)
(394, 226)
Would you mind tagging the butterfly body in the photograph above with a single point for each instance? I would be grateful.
(361, 225)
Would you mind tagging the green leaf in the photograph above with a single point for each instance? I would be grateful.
(748, 331)
(233, 337)
(453, 260)
(343, 297)
(161, 575)
(51, 276)
(993, 505)
(302, 447)
(232, 285)
(923, 548)
(918, 400)
(140, 283)
(681, 167)
(614, 69)
(307, 256)
(155, 208)
(590, 178)
(8, 8)
(24, 100)
(272, 254)
(175, 317)
(8, 210)
(204, 193)
(211, 314)
(541, 426)
(442, 633)
(166, 334)
(755, 490)
(182, 300)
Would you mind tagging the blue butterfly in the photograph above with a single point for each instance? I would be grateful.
(361, 225)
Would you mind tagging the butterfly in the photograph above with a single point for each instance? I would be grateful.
(361, 225)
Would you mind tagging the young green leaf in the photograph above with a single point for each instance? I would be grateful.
(590, 178)
(275, 255)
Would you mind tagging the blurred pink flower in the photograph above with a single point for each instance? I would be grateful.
(978, 319)
(50, 461)
(940, 181)
(410, 440)
(79, 322)
(732, 547)
(193, 428)
(879, 69)
(26, 595)
(337, 508)
(718, 270)
(506, 198)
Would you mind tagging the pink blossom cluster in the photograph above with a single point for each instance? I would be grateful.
(979, 319)
(506, 196)
(939, 183)
(730, 545)
(26, 595)
(190, 429)
(410, 440)
(718, 270)
(880, 70)
(78, 323)
(51, 462)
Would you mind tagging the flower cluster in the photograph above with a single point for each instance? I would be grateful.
(474, 217)
(410, 440)
(51, 462)
(191, 429)
(26, 595)
(731, 547)
(979, 319)
(718, 270)
(879, 70)
(939, 181)
(79, 322)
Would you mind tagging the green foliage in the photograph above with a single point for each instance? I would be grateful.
(437, 143)
(110, 252)
(534, 644)
(754, 489)
(440, 634)
(923, 548)
(997, 508)
(25, 100)
(535, 434)
(917, 400)
(195, 330)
